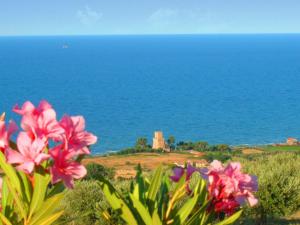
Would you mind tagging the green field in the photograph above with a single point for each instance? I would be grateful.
(280, 148)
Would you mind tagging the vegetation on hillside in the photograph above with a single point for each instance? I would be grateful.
(279, 184)
(142, 145)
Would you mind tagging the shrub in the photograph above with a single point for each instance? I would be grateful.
(80, 204)
(279, 184)
(201, 146)
(210, 156)
(185, 145)
(95, 171)
(223, 147)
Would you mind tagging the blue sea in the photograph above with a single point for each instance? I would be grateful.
(234, 89)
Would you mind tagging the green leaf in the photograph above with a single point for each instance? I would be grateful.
(231, 219)
(188, 207)
(178, 193)
(46, 209)
(10, 173)
(41, 181)
(49, 220)
(204, 218)
(7, 201)
(141, 188)
(154, 186)
(16, 197)
(5, 220)
(56, 189)
(136, 191)
(116, 202)
(163, 197)
(155, 218)
(141, 210)
(200, 214)
(25, 186)
(203, 191)
(4, 199)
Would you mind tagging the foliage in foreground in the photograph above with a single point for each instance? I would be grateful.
(152, 201)
(45, 158)
(279, 184)
(25, 203)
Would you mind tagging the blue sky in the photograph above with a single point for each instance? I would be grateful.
(83, 17)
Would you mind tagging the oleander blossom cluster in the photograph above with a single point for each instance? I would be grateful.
(45, 139)
(228, 187)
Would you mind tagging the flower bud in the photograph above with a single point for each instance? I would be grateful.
(2, 117)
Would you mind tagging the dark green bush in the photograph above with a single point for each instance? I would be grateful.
(223, 147)
(83, 203)
(201, 146)
(183, 146)
(223, 157)
(279, 184)
(95, 171)
(80, 204)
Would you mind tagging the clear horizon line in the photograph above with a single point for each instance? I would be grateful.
(148, 34)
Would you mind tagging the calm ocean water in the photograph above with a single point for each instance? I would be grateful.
(235, 89)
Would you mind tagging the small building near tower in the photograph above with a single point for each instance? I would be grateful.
(292, 141)
(159, 141)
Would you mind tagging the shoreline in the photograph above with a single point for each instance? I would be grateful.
(115, 152)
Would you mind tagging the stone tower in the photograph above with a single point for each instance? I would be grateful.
(158, 140)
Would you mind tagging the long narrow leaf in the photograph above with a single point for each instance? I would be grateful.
(5, 220)
(141, 210)
(155, 218)
(16, 197)
(41, 181)
(49, 220)
(46, 209)
(7, 201)
(116, 202)
(25, 186)
(231, 219)
(163, 198)
(142, 185)
(4, 197)
(10, 173)
(198, 215)
(188, 207)
(155, 184)
(56, 189)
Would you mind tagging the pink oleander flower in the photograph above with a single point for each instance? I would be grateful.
(5, 133)
(64, 167)
(40, 127)
(40, 121)
(30, 153)
(76, 138)
(229, 188)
